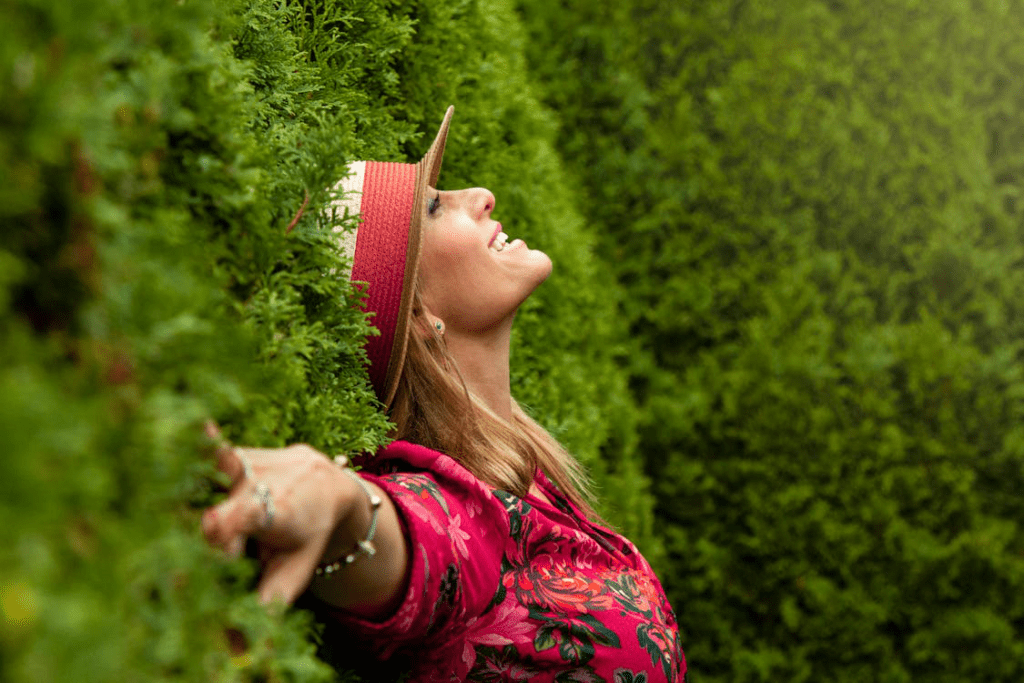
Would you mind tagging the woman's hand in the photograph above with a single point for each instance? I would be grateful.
(292, 523)
(301, 509)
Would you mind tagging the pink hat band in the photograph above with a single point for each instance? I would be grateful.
(383, 194)
(385, 249)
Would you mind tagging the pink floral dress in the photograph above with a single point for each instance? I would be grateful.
(503, 588)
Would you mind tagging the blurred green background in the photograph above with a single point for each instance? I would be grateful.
(783, 330)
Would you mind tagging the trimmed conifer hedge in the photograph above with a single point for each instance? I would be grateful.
(814, 207)
(166, 257)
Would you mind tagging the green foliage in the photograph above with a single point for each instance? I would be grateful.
(815, 213)
(166, 257)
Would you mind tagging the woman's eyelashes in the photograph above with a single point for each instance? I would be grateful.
(434, 204)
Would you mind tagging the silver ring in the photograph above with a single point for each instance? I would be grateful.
(262, 496)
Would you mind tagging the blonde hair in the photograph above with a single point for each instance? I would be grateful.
(433, 407)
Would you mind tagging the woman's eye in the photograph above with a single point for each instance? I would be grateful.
(434, 204)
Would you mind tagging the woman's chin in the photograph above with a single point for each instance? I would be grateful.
(543, 265)
(540, 272)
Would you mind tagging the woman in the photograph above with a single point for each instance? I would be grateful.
(467, 549)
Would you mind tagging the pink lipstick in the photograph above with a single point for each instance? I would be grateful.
(497, 231)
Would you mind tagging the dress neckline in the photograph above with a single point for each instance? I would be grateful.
(552, 497)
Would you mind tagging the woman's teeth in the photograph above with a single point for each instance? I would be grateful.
(499, 242)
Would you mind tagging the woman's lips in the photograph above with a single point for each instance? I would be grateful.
(497, 231)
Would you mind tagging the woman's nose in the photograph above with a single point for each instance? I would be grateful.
(485, 201)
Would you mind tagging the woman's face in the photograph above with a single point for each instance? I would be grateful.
(469, 280)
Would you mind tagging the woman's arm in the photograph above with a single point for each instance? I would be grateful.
(319, 514)
(372, 585)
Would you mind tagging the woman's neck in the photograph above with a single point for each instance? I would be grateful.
(483, 360)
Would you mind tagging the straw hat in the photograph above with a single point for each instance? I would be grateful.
(385, 250)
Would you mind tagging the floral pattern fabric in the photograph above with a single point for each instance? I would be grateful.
(503, 588)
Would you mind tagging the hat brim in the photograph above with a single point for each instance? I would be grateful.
(427, 172)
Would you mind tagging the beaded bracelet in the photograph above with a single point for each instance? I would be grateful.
(365, 546)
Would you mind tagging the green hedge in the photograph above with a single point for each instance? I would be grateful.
(815, 209)
(166, 257)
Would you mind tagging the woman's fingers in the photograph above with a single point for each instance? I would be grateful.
(228, 524)
(230, 460)
(211, 429)
(286, 575)
(233, 462)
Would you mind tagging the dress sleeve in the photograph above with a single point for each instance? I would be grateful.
(456, 529)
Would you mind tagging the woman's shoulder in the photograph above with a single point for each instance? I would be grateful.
(404, 457)
(429, 481)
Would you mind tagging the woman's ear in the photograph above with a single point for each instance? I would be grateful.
(434, 322)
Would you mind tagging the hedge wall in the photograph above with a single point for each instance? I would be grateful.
(165, 258)
(814, 207)
(812, 213)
